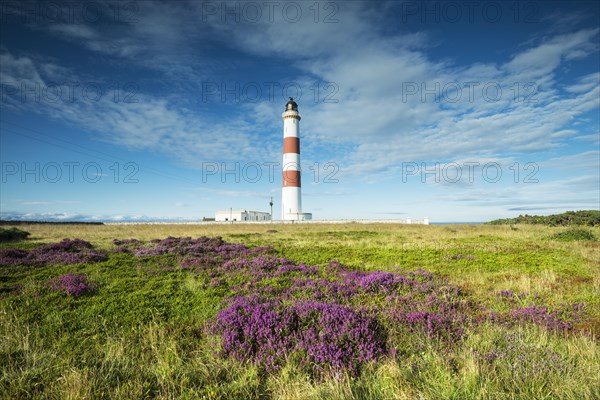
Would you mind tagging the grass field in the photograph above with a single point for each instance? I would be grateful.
(142, 332)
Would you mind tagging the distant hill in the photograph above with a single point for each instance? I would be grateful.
(569, 218)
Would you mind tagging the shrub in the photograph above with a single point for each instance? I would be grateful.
(569, 218)
(12, 235)
(575, 234)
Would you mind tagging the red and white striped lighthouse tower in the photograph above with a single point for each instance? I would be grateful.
(291, 194)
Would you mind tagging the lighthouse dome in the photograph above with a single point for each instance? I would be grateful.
(291, 105)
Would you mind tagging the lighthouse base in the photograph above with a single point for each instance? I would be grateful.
(297, 216)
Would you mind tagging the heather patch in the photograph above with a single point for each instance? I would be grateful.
(188, 247)
(126, 245)
(562, 318)
(67, 251)
(321, 337)
(71, 284)
(335, 321)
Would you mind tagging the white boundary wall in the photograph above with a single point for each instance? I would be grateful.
(424, 221)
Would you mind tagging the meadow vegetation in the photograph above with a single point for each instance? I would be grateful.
(296, 311)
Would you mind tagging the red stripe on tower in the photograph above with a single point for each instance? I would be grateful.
(291, 179)
(291, 145)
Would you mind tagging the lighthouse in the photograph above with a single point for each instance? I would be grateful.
(291, 192)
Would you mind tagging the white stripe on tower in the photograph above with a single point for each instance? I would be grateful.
(291, 196)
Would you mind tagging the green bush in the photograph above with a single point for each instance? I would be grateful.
(569, 218)
(13, 234)
(575, 234)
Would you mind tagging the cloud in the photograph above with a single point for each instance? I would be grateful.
(588, 161)
(376, 123)
(543, 59)
(46, 203)
(514, 105)
(50, 216)
(70, 217)
(17, 69)
(585, 84)
(243, 193)
(145, 123)
(536, 208)
(327, 193)
(572, 192)
(152, 34)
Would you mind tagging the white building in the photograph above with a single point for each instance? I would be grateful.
(242, 215)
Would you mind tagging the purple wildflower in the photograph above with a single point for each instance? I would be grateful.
(563, 318)
(72, 284)
(67, 251)
(328, 336)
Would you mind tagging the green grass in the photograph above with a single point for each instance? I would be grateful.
(140, 335)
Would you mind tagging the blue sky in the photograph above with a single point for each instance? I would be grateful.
(457, 111)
